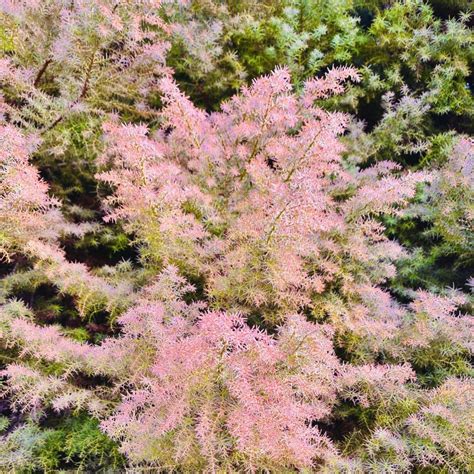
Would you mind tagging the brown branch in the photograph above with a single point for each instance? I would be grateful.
(41, 72)
(85, 86)
(50, 127)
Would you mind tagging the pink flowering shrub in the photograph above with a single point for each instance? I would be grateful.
(256, 199)
(220, 394)
(255, 332)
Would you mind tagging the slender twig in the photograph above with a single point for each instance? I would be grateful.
(42, 71)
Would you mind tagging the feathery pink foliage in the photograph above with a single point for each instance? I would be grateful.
(369, 384)
(27, 212)
(256, 204)
(447, 423)
(438, 318)
(102, 54)
(219, 386)
(248, 196)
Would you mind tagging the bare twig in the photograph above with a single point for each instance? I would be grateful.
(42, 71)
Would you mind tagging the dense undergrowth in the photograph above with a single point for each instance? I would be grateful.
(236, 236)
